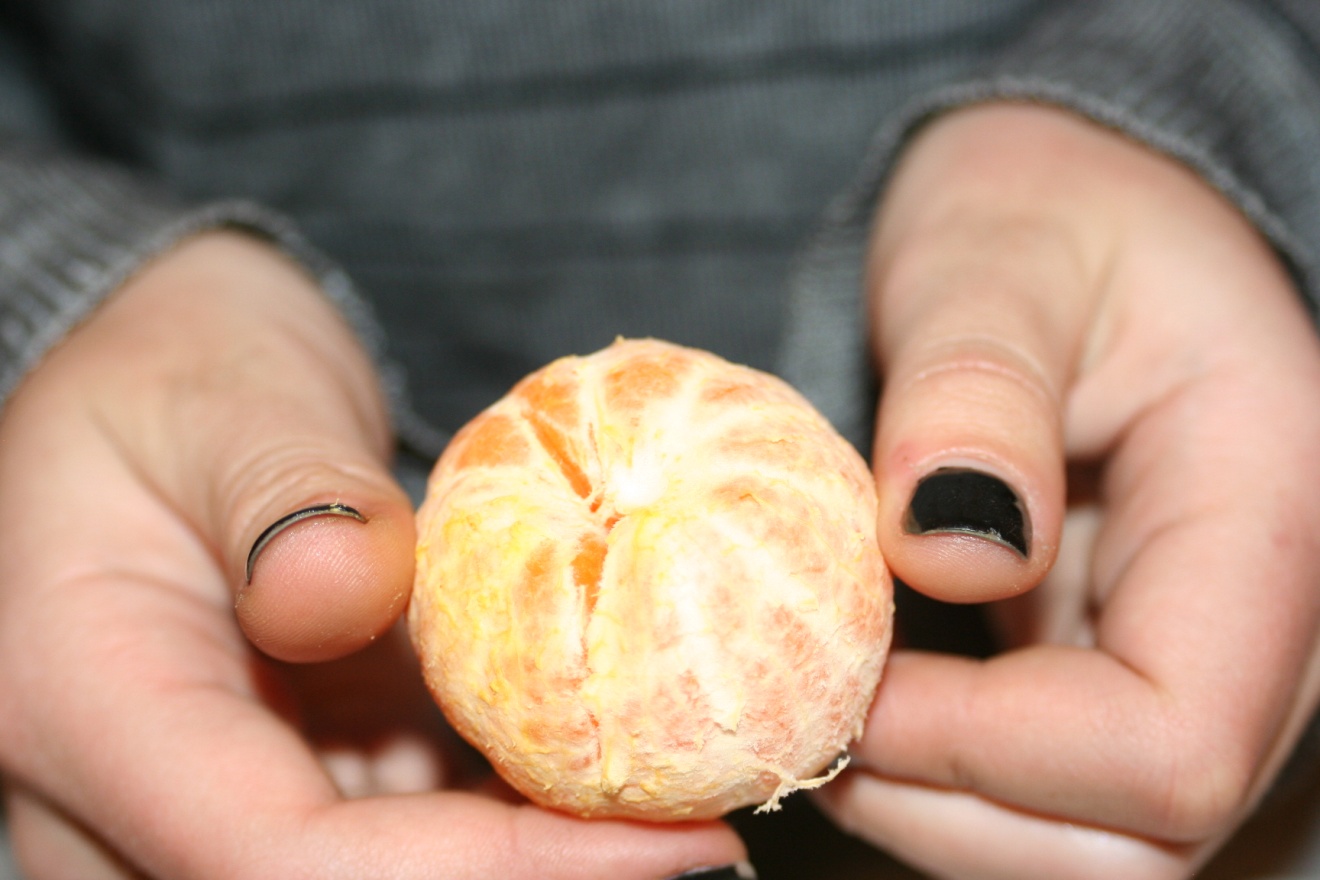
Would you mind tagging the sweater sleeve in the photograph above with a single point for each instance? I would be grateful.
(73, 229)
(71, 232)
(1231, 88)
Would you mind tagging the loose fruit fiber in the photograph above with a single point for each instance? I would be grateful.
(648, 586)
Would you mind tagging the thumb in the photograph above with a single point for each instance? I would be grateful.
(332, 570)
(257, 414)
(980, 290)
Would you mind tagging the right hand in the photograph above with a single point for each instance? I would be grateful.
(1048, 296)
(141, 729)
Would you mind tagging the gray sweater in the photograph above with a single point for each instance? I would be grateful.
(484, 186)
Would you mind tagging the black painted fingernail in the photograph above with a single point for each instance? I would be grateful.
(963, 501)
(264, 539)
(740, 871)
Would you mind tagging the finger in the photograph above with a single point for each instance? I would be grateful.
(1195, 691)
(980, 292)
(1171, 728)
(957, 835)
(1058, 731)
(242, 397)
(49, 846)
(258, 804)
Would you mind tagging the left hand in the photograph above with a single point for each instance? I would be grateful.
(146, 727)
(1049, 298)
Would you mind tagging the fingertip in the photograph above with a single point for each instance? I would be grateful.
(327, 579)
(961, 568)
(961, 533)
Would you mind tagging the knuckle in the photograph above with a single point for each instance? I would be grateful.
(266, 482)
(986, 367)
(1208, 789)
(987, 297)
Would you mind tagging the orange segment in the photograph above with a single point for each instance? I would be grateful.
(643, 379)
(553, 396)
(491, 439)
(556, 444)
(587, 566)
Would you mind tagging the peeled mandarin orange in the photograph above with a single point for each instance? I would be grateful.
(648, 586)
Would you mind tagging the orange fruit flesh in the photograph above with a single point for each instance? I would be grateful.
(648, 586)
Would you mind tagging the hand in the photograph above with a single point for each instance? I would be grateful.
(140, 731)
(1049, 298)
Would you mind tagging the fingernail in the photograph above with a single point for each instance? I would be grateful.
(956, 500)
(264, 539)
(740, 871)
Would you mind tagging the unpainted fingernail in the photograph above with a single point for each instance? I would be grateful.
(740, 871)
(956, 500)
(274, 529)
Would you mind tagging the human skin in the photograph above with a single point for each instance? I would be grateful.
(1048, 297)
(146, 726)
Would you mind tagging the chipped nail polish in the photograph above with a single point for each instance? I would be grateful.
(264, 539)
(740, 871)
